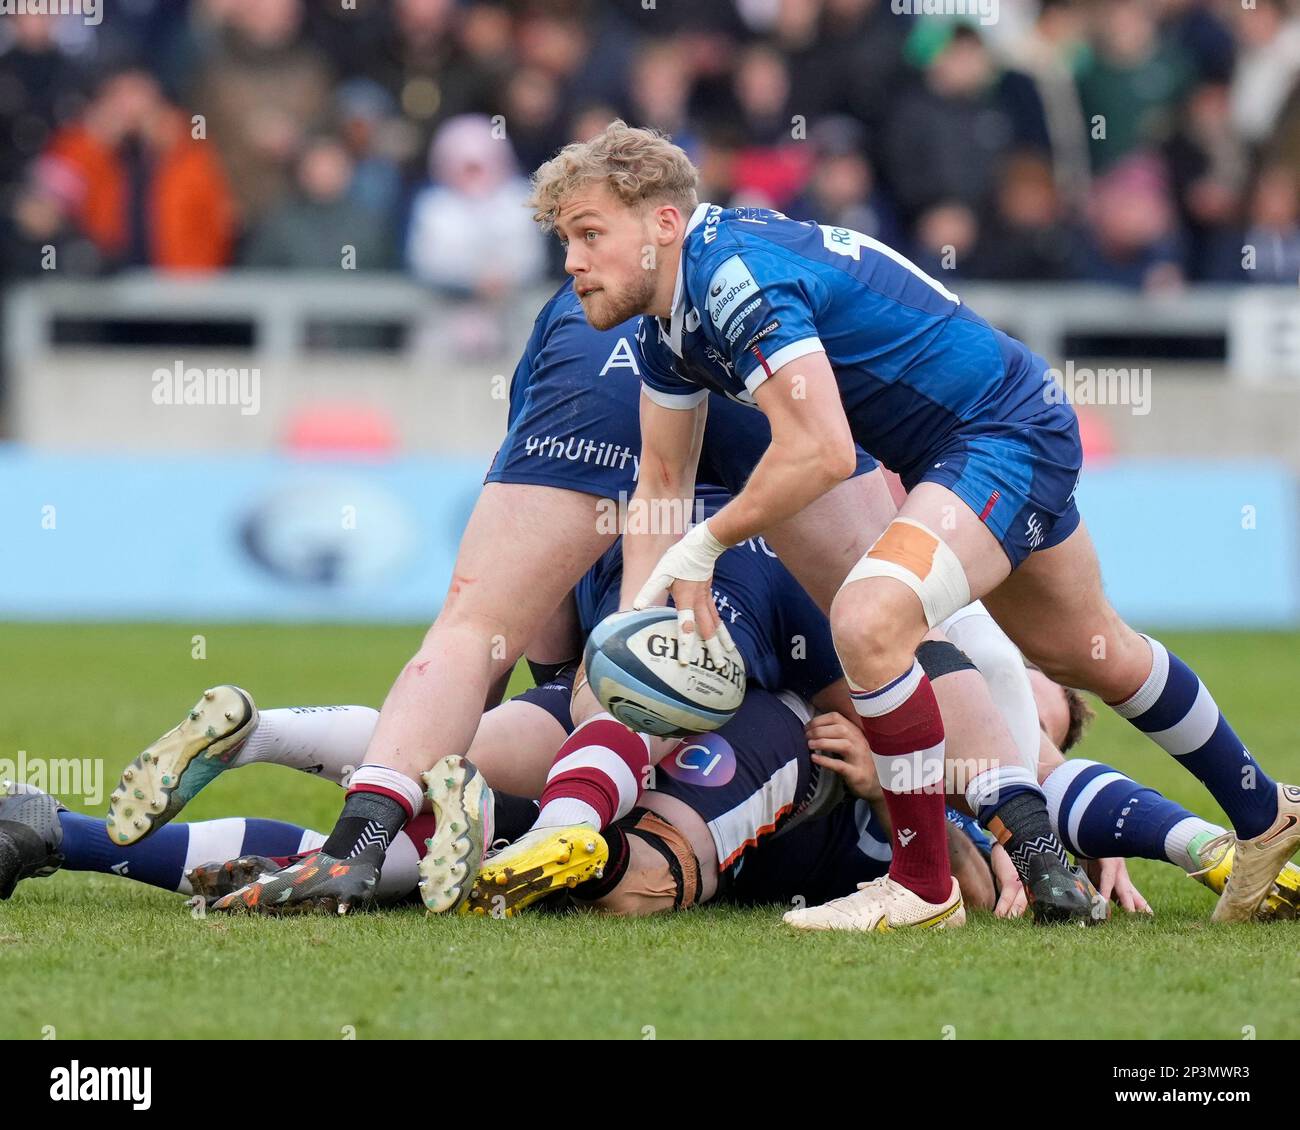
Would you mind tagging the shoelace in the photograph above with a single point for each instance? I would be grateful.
(495, 846)
(1222, 844)
(889, 888)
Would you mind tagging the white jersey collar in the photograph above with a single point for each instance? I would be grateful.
(677, 314)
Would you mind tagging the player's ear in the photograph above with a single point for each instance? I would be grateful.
(667, 223)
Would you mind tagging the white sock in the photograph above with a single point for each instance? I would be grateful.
(566, 811)
(211, 840)
(999, 661)
(1179, 840)
(401, 871)
(329, 741)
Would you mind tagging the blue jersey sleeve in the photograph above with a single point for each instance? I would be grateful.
(659, 376)
(760, 311)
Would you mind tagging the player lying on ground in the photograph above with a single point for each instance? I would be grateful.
(739, 813)
(1101, 812)
(571, 451)
(516, 744)
(785, 643)
(669, 846)
(784, 640)
(837, 338)
(666, 852)
(766, 780)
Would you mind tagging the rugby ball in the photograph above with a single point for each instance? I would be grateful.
(631, 661)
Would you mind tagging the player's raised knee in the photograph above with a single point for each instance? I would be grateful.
(914, 555)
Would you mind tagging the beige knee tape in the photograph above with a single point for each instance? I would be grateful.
(911, 553)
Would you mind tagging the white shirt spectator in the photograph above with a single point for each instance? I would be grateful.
(471, 230)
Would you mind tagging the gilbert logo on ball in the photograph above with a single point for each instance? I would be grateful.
(631, 661)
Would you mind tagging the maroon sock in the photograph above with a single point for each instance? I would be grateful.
(902, 723)
(603, 766)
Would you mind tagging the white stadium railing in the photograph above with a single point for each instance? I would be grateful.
(281, 306)
(306, 331)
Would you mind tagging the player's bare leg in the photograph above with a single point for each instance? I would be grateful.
(514, 747)
(926, 566)
(525, 547)
(1056, 611)
(821, 543)
(492, 610)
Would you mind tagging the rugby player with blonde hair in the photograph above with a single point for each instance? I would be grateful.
(836, 338)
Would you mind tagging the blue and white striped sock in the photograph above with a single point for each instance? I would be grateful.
(163, 858)
(1175, 711)
(1099, 812)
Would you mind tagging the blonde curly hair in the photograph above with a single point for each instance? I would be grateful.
(640, 166)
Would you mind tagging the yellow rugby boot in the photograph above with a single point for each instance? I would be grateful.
(537, 864)
(1216, 853)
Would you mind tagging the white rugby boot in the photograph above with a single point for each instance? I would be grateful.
(879, 907)
(463, 829)
(1258, 862)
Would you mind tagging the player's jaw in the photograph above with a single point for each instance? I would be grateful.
(607, 303)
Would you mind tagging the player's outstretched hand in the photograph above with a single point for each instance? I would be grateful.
(1112, 880)
(686, 572)
(316, 883)
(1012, 900)
(840, 745)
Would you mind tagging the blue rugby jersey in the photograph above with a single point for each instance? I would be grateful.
(756, 290)
(574, 418)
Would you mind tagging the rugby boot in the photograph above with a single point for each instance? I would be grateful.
(212, 881)
(1216, 853)
(1059, 893)
(537, 864)
(169, 774)
(1258, 862)
(30, 835)
(881, 907)
(462, 811)
(312, 883)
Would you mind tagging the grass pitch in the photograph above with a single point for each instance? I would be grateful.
(94, 956)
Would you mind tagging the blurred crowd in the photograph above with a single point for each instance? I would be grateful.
(1143, 143)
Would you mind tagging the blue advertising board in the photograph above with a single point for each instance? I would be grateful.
(263, 538)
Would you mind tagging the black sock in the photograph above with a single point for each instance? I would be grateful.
(368, 821)
(512, 815)
(614, 870)
(1022, 826)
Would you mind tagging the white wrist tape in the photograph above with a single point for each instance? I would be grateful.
(690, 559)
